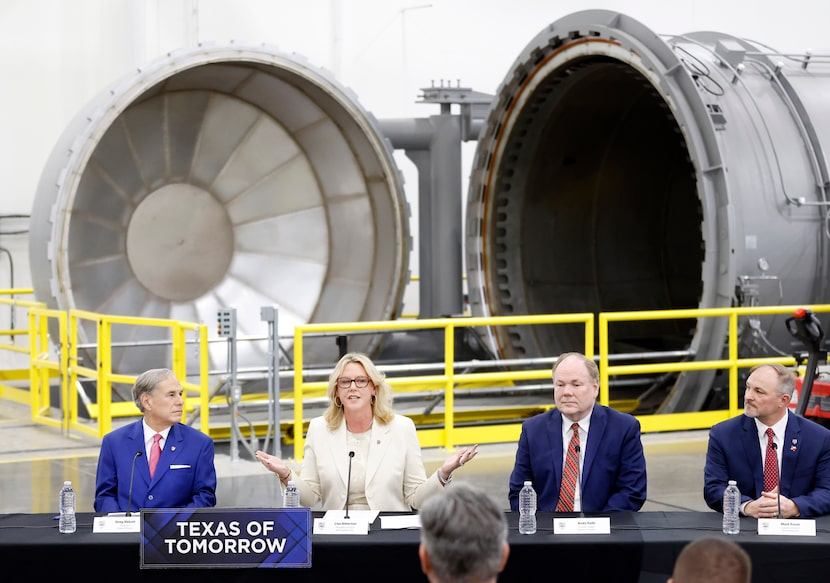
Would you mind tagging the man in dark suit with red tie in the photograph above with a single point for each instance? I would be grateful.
(580, 456)
(156, 462)
(768, 436)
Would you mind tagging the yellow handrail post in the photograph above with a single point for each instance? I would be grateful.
(38, 376)
(179, 366)
(104, 377)
(298, 393)
(604, 390)
(37, 380)
(589, 336)
(69, 406)
(72, 362)
(733, 367)
(204, 380)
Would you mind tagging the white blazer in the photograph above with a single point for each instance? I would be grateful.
(395, 475)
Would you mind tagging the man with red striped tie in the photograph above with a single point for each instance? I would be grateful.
(580, 456)
(780, 460)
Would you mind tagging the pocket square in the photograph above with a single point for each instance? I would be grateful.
(179, 466)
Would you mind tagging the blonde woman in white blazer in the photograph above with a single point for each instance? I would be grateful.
(387, 471)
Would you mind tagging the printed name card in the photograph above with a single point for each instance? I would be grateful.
(787, 526)
(336, 522)
(582, 525)
(340, 526)
(117, 522)
(232, 537)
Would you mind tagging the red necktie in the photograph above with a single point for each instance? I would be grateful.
(770, 464)
(569, 473)
(155, 452)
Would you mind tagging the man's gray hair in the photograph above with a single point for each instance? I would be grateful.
(147, 381)
(590, 365)
(464, 533)
(786, 378)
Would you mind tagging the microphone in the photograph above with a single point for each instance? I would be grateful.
(349, 484)
(579, 480)
(137, 455)
(777, 478)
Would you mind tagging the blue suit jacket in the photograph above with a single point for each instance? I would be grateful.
(185, 475)
(734, 453)
(614, 474)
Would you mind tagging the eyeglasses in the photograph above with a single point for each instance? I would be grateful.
(359, 382)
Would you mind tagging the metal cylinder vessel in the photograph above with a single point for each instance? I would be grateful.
(620, 170)
(219, 176)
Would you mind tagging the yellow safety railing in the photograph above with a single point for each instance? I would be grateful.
(64, 328)
(104, 409)
(447, 429)
(18, 310)
(449, 435)
(689, 420)
(42, 368)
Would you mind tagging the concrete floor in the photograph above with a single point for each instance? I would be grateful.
(35, 460)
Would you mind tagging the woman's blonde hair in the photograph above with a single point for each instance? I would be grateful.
(382, 409)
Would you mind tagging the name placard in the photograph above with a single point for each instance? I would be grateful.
(582, 525)
(787, 526)
(336, 522)
(119, 522)
(232, 537)
(341, 526)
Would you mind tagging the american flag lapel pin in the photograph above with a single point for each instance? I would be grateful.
(793, 446)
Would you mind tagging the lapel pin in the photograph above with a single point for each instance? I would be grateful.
(173, 448)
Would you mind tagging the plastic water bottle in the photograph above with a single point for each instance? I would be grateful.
(731, 508)
(66, 502)
(527, 509)
(291, 496)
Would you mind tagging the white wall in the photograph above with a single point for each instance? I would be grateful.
(59, 54)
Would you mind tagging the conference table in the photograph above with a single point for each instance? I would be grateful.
(641, 547)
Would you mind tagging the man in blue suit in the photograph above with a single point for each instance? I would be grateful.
(183, 473)
(611, 467)
(737, 449)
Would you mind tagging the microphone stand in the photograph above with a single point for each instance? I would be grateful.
(349, 484)
(777, 478)
(137, 455)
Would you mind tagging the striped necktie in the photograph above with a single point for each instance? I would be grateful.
(569, 473)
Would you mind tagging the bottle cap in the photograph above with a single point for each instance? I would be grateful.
(67, 483)
(528, 483)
